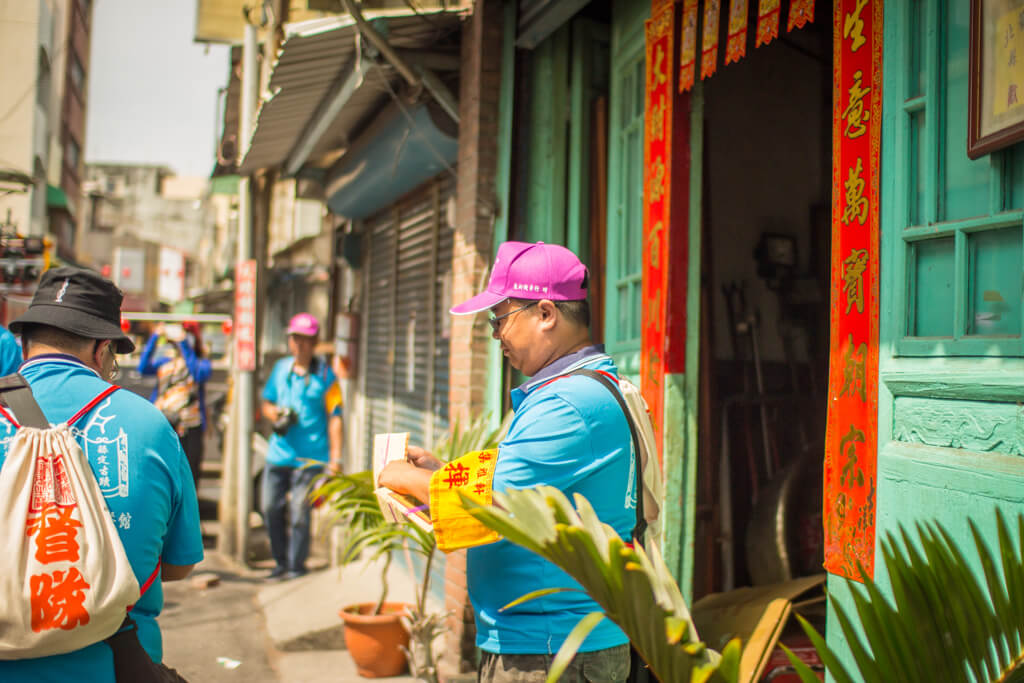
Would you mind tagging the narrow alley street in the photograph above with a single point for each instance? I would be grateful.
(228, 623)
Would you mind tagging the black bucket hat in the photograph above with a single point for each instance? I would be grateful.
(78, 301)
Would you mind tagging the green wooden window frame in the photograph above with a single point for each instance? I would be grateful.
(625, 187)
(950, 226)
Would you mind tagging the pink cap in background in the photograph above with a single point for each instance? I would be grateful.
(304, 324)
(530, 271)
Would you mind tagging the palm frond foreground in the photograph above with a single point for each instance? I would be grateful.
(942, 623)
(634, 589)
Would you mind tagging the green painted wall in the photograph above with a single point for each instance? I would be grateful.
(502, 191)
(951, 385)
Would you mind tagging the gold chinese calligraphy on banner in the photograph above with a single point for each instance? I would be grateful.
(801, 13)
(767, 22)
(736, 43)
(709, 38)
(852, 435)
(708, 16)
(657, 196)
(688, 46)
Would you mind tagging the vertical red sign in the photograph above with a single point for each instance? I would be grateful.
(657, 183)
(245, 316)
(851, 440)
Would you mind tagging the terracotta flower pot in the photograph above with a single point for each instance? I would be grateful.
(375, 641)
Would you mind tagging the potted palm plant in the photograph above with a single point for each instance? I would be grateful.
(384, 637)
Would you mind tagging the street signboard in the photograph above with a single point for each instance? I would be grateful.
(130, 269)
(245, 316)
(170, 283)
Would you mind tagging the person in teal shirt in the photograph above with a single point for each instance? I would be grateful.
(10, 352)
(71, 334)
(569, 432)
(302, 400)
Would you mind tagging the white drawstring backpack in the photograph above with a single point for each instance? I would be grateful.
(65, 580)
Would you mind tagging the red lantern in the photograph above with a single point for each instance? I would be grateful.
(227, 326)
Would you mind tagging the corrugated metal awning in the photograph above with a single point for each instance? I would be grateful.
(313, 58)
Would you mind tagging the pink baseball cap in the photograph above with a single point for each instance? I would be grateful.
(530, 271)
(304, 324)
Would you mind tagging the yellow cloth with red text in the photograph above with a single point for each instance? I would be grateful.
(472, 475)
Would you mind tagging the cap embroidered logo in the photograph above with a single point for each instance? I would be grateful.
(60, 294)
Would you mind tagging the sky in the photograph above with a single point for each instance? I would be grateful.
(152, 90)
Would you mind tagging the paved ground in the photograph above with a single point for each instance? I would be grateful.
(227, 623)
(217, 633)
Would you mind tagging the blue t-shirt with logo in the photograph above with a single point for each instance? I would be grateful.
(569, 433)
(10, 352)
(138, 462)
(314, 396)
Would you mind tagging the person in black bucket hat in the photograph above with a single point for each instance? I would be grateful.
(78, 301)
(70, 334)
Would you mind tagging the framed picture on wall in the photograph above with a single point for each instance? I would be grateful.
(996, 81)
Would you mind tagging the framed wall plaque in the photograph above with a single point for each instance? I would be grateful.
(996, 80)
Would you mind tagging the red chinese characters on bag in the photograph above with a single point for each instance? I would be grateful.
(55, 531)
(58, 600)
(57, 597)
(51, 484)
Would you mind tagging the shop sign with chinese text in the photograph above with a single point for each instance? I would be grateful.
(245, 316)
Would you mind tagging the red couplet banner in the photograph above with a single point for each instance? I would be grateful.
(657, 185)
(851, 440)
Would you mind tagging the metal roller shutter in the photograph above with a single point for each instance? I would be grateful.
(408, 300)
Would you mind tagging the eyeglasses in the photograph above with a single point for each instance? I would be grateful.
(115, 369)
(496, 321)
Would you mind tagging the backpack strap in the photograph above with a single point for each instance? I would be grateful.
(149, 582)
(15, 392)
(93, 403)
(606, 380)
(24, 411)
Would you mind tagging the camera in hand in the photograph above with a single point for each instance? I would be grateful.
(286, 417)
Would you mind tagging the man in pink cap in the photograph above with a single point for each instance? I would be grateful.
(569, 432)
(302, 400)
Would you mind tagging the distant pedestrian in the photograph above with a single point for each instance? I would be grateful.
(302, 400)
(174, 353)
(71, 333)
(10, 352)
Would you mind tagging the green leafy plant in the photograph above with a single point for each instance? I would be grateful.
(941, 623)
(633, 587)
(353, 503)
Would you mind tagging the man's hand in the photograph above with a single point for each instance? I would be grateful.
(422, 458)
(405, 477)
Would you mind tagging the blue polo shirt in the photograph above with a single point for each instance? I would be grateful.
(315, 397)
(137, 460)
(570, 434)
(10, 352)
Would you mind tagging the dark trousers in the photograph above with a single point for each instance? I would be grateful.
(601, 666)
(192, 444)
(286, 512)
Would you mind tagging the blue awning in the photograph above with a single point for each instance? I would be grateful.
(403, 149)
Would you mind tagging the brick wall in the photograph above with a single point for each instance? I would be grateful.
(479, 90)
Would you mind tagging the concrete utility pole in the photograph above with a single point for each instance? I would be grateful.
(244, 380)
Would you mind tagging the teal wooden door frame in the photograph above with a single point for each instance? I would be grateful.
(589, 79)
(548, 151)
